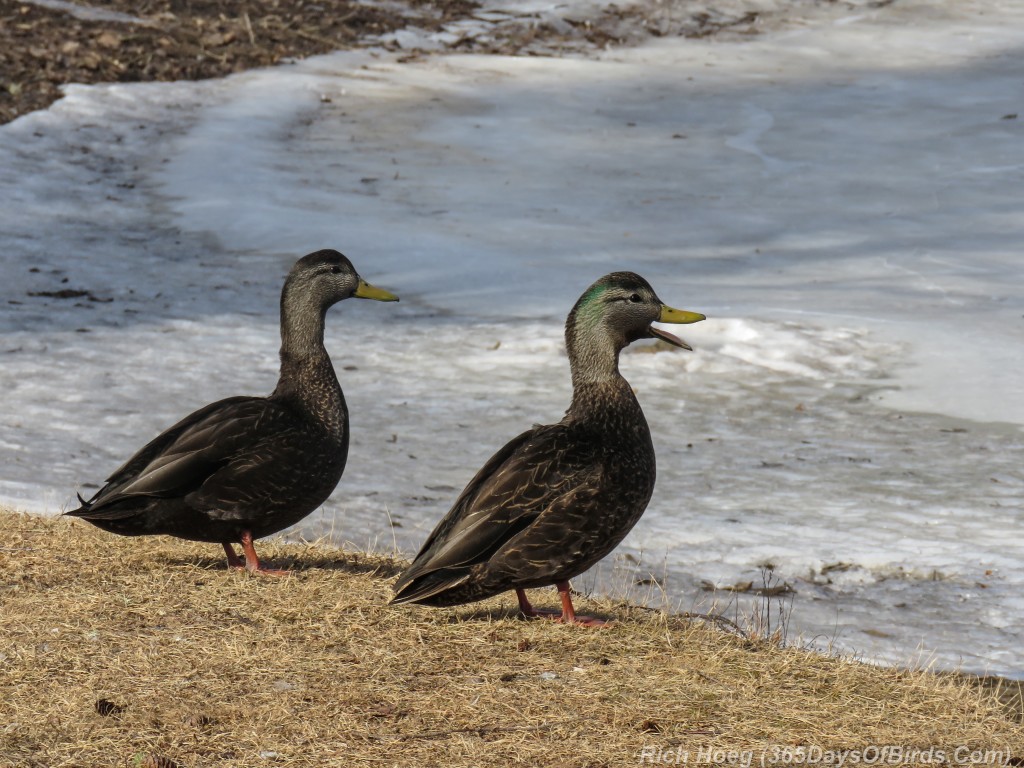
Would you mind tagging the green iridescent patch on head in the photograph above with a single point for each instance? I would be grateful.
(589, 307)
(593, 294)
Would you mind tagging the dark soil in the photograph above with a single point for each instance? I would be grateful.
(43, 45)
(43, 48)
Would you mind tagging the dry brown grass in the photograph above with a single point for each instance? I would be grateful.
(202, 666)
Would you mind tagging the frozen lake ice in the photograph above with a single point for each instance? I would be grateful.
(842, 200)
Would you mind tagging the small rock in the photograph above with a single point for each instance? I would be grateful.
(108, 40)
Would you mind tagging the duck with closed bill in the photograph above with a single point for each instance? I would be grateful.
(558, 498)
(246, 467)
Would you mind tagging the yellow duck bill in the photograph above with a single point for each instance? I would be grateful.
(679, 317)
(367, 291)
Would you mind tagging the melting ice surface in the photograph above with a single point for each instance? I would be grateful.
(843, 201)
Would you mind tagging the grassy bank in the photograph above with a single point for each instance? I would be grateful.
(116, 652)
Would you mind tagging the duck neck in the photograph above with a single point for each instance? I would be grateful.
(302, 324)
(594, 362)
(307, 376)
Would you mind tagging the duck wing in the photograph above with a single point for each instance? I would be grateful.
(183, 458)
(534, 473)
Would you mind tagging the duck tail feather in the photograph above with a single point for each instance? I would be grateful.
(430, 585)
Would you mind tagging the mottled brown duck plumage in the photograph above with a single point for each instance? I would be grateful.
(246, 467)
(557, 498)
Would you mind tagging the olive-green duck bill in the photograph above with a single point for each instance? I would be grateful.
(679, 316)
(367, 291)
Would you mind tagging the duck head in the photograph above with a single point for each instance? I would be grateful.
(622, 307)
(326, 277)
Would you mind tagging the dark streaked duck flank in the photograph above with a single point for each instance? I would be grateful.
(246, 467)
(558, 498)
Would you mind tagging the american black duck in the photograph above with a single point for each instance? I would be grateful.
(558, 498)
(246, 467)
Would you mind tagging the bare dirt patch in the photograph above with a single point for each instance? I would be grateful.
(42, 48)
(45, 44)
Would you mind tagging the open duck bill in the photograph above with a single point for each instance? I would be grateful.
(367, 291)
(678, 316)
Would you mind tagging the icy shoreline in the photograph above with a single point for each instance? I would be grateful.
(840, 201)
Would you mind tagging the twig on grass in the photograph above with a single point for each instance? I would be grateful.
(478, 730)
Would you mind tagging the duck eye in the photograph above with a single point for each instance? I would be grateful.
(635, 298)
(335, 270)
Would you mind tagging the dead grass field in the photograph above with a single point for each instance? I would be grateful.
(118, 652)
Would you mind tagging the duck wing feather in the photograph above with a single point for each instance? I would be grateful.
(534, 474)
(183, 459)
